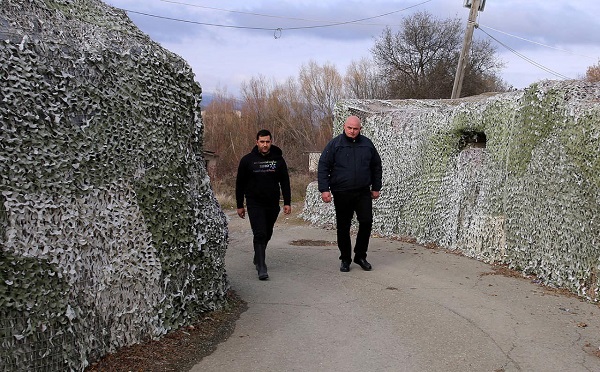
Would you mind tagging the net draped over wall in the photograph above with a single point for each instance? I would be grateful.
(109, 231)
(528, 198)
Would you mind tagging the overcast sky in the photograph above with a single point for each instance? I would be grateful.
(228, 42)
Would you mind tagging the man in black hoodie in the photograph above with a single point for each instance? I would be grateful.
(350, 169)
(262, 177)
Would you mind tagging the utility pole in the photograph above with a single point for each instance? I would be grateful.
(462, 60)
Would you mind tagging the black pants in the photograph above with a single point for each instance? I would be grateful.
(346, 204)
(262, 220)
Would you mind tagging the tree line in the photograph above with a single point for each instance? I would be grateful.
(417, 61)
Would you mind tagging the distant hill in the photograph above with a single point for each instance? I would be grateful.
(207, 98)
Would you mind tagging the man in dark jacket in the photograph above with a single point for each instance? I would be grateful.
(262, 177)
(350, 169)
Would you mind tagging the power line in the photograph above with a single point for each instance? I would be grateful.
(526, 58)
(195, 22)
(240, 12)
(277, 29)
(358, 20)
(535, 42)
(334, 23)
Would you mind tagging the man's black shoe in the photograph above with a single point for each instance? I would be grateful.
(345, 267)
(363, 263)
(263, 275)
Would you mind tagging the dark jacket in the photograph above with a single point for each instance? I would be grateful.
(349, 164)
(259, 178)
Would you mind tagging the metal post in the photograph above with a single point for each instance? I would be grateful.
(462, 60)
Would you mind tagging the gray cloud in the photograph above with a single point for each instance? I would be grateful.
(225, 55)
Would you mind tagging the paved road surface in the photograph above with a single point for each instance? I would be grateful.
(418, 310)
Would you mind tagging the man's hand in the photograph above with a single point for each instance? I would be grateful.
(287, 209)
(374, 194)
(326, 196)
(241, 212)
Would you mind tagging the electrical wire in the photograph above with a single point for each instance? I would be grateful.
(535, 42)
(277, 29)
(195, 22)
(526, 58)
(285, 18)
(240, 12)
(358, 20)
(277, 32)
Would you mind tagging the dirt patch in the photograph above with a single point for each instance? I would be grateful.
(588, 348)
(179, 350)
(504, 271)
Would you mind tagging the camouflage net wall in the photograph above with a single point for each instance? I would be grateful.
(530, 198)
(109, 231)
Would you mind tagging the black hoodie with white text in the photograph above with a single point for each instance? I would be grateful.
(262, 179)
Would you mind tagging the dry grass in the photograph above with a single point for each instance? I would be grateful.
(226, 200)
(299, 182)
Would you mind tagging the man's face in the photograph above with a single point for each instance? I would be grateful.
(352, 128)
(264, 144)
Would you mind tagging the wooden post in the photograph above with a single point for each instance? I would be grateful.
(462, 59)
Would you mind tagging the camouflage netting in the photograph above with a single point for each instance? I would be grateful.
(512, 178)
(109, 231)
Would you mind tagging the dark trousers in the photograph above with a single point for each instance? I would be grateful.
(346, 204)
(262, 220)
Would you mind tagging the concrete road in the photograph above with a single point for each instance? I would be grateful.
(418, 310)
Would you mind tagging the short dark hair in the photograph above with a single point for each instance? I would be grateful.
(263, 133)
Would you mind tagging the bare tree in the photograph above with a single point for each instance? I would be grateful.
(299, 114)
(287, 113)
(363, 80)
(293, 113)
(223, 133)
(593, 73)
(420, 60)
(424, 46)
(481, 73)
(322, 87)
(255, 95)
